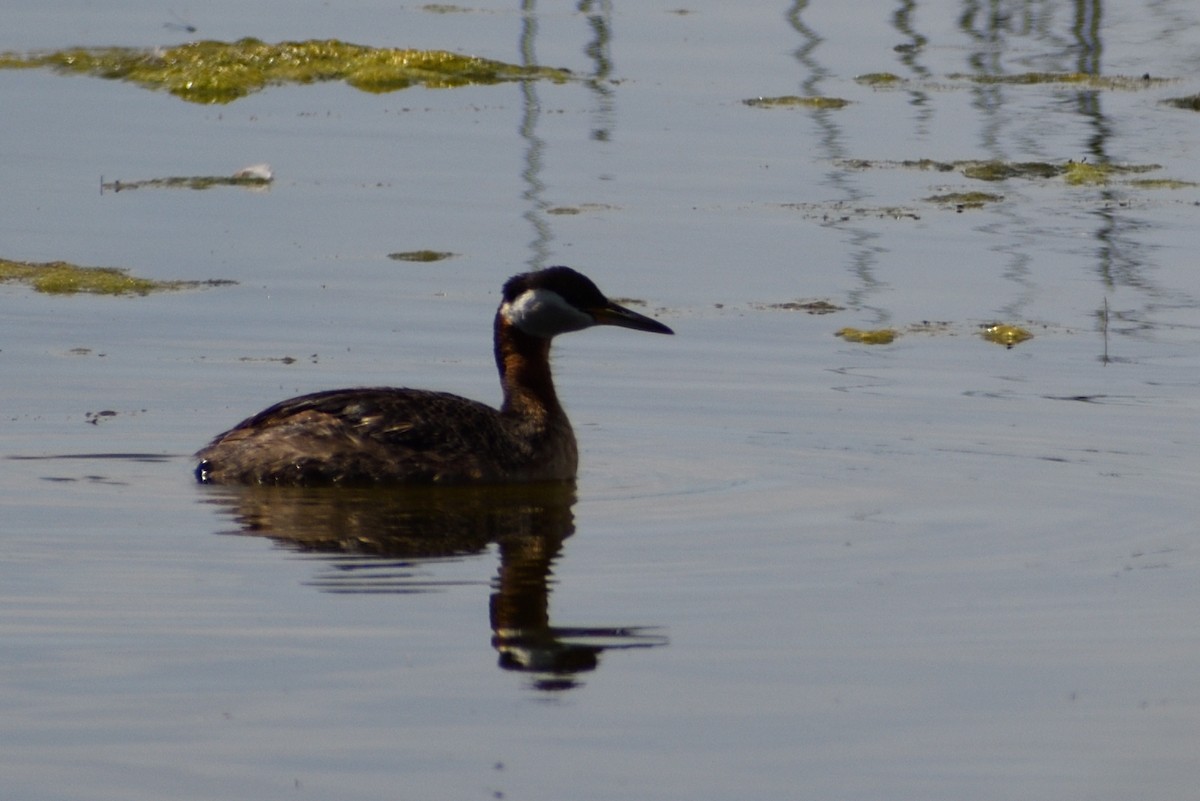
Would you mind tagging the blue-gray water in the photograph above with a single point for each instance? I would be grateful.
(795, 567)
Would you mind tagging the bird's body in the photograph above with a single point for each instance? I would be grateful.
(399, 436)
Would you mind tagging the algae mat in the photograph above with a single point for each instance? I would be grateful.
(63, 278)
(221, 72)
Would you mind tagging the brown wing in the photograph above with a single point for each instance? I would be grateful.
(356, 436)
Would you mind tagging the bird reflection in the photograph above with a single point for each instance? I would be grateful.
(386, 540)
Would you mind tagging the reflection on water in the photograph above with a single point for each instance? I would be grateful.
(598, 14)
(863, 249)
(599, 52)
(1007, 121)
(387, 540)
(535, 213)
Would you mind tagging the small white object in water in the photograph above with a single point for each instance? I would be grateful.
(259, 171)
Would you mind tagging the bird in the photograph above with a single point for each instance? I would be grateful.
(399, 436)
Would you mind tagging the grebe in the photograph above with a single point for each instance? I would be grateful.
(397, 436)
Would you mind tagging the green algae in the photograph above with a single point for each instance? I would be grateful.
(1082, 173)
(1075, 173)
(913, 164)
(63, 278)
(1005, 334)
(839, 212)
(878, 79)
(582, 208)
(965, 200)
(996, 170)
(1083, 79)
(929, 164)
(221, 72)
(1162, 183)
(797, 101)
(1079, 173)
(879, 336)
(1189, 103)
(809, 306)
(198, 182)
(421, 255)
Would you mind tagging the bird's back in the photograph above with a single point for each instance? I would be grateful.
(389, 436)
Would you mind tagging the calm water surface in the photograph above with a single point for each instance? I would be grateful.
(793, 567)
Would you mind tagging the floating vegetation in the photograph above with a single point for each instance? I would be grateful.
(965, 200)
(1002, 170)
(1075, 173)
(1084, 79)
(1189, 103)
(313, 359)
(1079, 173)
(931, 327)
(810, 306)
(580, 209)
(794, 100)
(1004, 334)
(630, 302)
(879, 336)
(879, 79)
(257, 176)
(221, 72)
(1082, 173)
(63, 278)
(1162, 183)
(912, 164)
(839, 211)
(422, 255)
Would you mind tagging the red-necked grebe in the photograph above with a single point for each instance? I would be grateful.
(398, 436)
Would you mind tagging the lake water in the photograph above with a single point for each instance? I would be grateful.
(793, 567)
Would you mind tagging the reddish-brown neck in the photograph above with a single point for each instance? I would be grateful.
(524, 365)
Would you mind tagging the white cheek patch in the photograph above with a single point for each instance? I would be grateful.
(542, 313)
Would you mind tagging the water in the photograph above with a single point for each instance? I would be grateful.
(793, 566)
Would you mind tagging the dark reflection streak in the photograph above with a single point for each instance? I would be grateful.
(910, 53)
(535, 212)
(1120, 257)
(1119, 254)
(914, 41)
(131, 457)
(599, 51)
(1086, 30)
(986, 28)
(1113, 267)
(389, 542)
(985, 60)
(863, 252)
(1088, 14)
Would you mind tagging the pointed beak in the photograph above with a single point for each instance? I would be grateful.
(615, 314)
